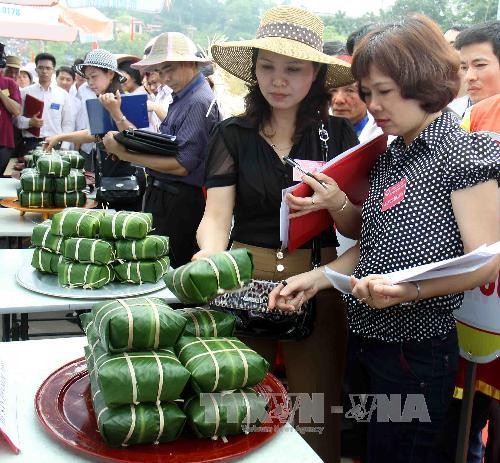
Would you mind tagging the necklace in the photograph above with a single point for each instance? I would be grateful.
(270, 138)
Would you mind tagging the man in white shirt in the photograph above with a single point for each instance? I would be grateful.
(56, 117)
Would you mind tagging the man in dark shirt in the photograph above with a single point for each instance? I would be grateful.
(174, 195)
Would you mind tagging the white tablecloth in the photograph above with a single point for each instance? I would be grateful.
(12, 223)
(8, 187)
(33, 361)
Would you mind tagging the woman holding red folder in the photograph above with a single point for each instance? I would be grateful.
(433, 196)
(286, 105)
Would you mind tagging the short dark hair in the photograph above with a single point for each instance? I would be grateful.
(125, 66)
(67, 70)
(45, 56)
(356, 35)
(334, 47)
(480, 33)
(458, 27)
(416, 56)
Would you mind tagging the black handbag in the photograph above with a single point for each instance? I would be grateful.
(144, 141)
(253, 318)
(118, 189)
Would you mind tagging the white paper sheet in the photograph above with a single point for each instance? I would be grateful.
(8, 407)
(449, 267)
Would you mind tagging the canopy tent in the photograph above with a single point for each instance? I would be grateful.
(55, 22)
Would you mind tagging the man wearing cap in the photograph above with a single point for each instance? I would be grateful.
(174, 195)
(13, 66)
(10, 99)
(56, 116)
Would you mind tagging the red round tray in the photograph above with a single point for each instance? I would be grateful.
(64, 407)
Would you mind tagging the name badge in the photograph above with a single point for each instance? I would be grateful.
(55, 106)
(308, 166)
(394, 195)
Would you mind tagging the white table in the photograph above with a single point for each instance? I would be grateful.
(8, 187)
(18, 300)
(12, 223)
(33, 361)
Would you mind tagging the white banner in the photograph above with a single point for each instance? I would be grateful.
(29, 14)
(154, 6)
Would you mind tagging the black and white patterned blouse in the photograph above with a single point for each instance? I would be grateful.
(417, 225)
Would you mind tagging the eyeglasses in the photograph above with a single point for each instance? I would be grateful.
(44, 68)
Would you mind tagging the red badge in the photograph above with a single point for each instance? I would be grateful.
(394, 195)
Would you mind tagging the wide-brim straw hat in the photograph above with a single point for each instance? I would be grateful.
(100, 58)
(170, 47)
(288, 31)
(124, 58)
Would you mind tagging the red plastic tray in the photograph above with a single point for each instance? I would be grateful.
(64, 407)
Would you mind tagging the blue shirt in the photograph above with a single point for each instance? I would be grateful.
(187, 119)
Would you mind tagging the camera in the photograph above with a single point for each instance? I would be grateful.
(3, 57)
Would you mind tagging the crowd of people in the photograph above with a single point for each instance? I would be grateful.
(223, 189)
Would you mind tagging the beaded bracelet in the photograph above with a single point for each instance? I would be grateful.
(343, 205)
(417, 298)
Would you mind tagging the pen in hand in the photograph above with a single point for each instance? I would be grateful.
(294, 164)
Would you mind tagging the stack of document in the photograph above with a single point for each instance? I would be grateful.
(449, 267)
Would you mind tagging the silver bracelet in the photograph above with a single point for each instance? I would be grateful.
(343, 205)
(417, 298)
(121, 119)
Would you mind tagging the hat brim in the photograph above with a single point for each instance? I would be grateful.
(236, 58)
(123, 58)
(150, 62)
(79, 69)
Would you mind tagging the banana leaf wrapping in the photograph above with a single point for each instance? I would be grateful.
(201, 280)
(74, 181)
(70, 199)
(29, 162)
(83, 223)
(46, 261)
(126, 225)
(145, 423)
(52, 165)
(139, 323)
(87, 276)
(42, 237)
(75, 159)
(151, 247)
(206, 323)
(89, 250)
(142, 271)
(225, 413)
(31, 180)
(220, 364)
(35, 199)
(136, 377)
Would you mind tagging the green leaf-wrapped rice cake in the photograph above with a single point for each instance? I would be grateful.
(35, 199)
(206, 323)
(145, 423)
(220, 364)
(70, 199)
(142, 271)
(52, 165)
(139, 323)
(126, 225)
(42, 237)
(74, 181)
(46, 261)
(78, 222)
(203, 279)
(225, 413)
(87, 276)
(31, 180)
(88, 250)
(136, 377)
(75, 159)
(151, 247)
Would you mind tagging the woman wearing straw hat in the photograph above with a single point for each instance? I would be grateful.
(286, 105)
(104, 79)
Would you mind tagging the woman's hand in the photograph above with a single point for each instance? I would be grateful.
(50, 142)
(202, 253)
(323, 197)
(292, 293)
(112, 102)
(379, 293)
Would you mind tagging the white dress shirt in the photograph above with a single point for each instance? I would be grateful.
(164, 97)
(57, 117)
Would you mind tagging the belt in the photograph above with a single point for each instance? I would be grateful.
(34, 138)
(170, 187)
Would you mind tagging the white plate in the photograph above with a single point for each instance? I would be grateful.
(45, 283)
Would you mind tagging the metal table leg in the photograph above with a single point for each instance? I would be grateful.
(6, 327)
(24, 327)
(466, 412)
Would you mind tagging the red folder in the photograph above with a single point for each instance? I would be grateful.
(350, 170)
(33, 106)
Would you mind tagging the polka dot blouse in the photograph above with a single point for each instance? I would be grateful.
(413, 223)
